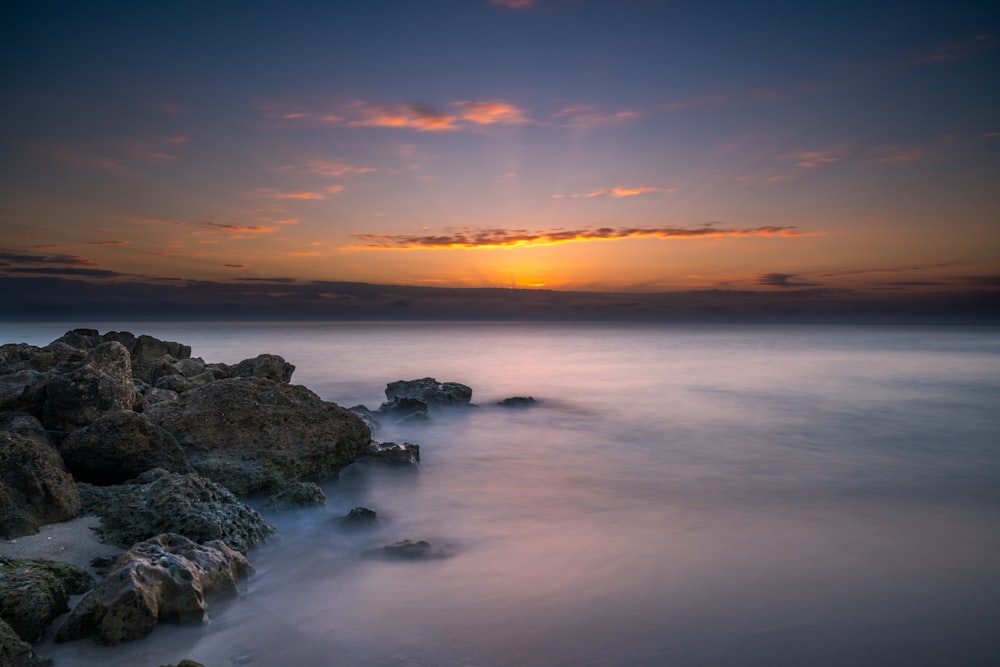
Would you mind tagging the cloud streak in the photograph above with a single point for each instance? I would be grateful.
(497, 237)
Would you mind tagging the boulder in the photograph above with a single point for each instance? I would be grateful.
(517, 402)
(165, 502)
(269, 366)
(430, 391)
(253, 434)
(15, 652)
(34, 486)
(165, 579)
(391, 453)
(408, 550)
(121, 446)
(33, 592)
(360, 517)
(297, 494)
(144, 351)
(103, 382)
(404, 408)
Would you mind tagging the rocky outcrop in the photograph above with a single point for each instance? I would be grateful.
(15, 652)
(268, 366)
(120, 446)
(186, 504)
(35, 488)
(391, 453)
(102, 383)
(254, 434)
(164, 579)
(297, 494)
(34, 592)
(403, 408)
(430, 391)
(360, 517)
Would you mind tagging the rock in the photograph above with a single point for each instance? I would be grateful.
(255, 434)
(360, 517)
(269, 366)
(403, 408)
(408, 550)
(165, 579)
(79, 397)
(15, 652)
(430, 391)
(391, 453)
(33, 592)
(517, 402)
(185, 504)
(296, 494)
(185, 663)
(121, 446)
(157, 395)
(34, 486)
(144, 351)
(368, 417)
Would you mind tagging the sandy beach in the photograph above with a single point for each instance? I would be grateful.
(71, 541)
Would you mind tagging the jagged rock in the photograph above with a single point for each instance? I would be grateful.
(34, 486)
(145, 352)
(360, 517)
(368, 417)
(517, 402)
(430, 391)
(404, 408)
(15, 652)
(103, 382)
(296, 494)
(157, 395)
(164, 579)
(255, 434)
(269, 366)
(407, 453)
(33, 592)
(164, 502)
(408, 550)
(121, 446)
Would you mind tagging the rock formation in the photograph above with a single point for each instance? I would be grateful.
(33, 592)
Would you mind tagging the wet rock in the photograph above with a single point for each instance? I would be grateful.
(255, 434)
(185, 504)
(403, 408)
(165, 579)
(79, 397)
(34, 592)
(297, 494)
(35, 488)
(369, 417)
(15, 652)
(121, 446)
(430, 391)
(517, 402)
(269, 366)
(408, 550)
(360, 517)
(391, 453)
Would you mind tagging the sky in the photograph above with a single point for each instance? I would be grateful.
(272, 153)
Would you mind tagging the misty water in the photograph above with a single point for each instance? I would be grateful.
(680, 495)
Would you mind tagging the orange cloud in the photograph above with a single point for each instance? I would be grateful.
(334, 168)
(496, 237)
(413, 116)
(890, 154)
(491, 113)
(229, 228)
(618, 192)
(814, 159)
(108, 243)
(302, 196)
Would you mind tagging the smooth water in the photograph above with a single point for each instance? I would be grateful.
(681, 495)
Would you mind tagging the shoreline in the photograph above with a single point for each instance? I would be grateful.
(71, 541)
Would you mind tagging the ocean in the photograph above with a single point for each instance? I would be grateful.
(680, 495)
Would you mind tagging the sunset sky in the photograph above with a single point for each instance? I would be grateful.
(634, 146)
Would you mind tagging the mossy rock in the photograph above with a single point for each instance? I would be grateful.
(34, 591)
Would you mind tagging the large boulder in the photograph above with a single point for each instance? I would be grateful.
(145, 352)
(34, 486)
(270, 366)
(103, 382)
(165, 579)
(254, 434)
(24, 373)
(164, 502)
(33, 592)
(121, 446)
(430, 391)
(15, 652)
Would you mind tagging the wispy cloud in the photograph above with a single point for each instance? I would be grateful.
(334, 168)
(617, 192)
(498, 237)
(236, 266)
(783, 280)
(212, 225)
(891, 154)
(108, 243)
(52, 264)
(301, 195)
(412, 116)
(491, 112)
(815, 159)
(585, 116)
(960, 50)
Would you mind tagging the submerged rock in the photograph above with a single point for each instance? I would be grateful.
(391, 453)
(186, 504)
(430, 391)
(164, 579)
(404, 408)
(33, 592)
(253, 434)
(360, 517)
(297, 494)
(517, 402)
(408, 550)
